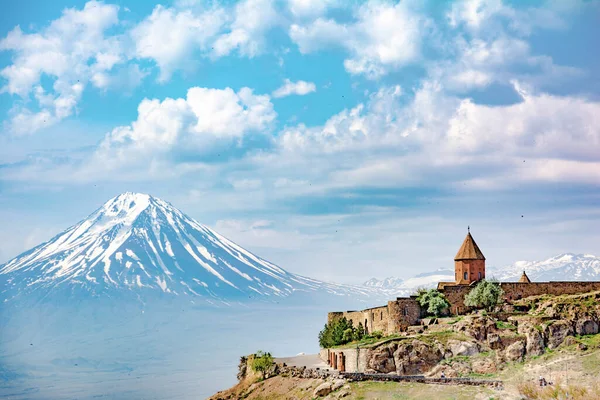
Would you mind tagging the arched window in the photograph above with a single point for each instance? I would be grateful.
(466, 275)
(405, 311)
(381, 319)
(480, 275)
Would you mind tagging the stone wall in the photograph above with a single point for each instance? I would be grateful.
(517, 290)
(403, 312)
(355, 360)
(373, 319)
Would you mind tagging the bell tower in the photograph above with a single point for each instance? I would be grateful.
(469, 263)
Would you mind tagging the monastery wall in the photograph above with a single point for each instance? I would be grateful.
(403, 312)
(517, 290)
(373, 319)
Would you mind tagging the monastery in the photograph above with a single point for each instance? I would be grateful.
(469, 269)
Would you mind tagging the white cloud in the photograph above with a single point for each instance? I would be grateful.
(381, 38)
(169, 36)
(252, 20)
(310, 8)
(494, 46)
(190, 124)
(71, 50)
(442, 139)
(299, 88)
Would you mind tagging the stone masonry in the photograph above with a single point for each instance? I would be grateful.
(469, 264)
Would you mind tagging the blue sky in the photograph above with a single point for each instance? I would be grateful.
(341, 140)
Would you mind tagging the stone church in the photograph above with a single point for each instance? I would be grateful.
(469, 269)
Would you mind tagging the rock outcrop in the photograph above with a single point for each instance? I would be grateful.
(586, 326)
(416, 357)
(461, 348)
(515, 352)
(476, 327)
(534, 338)
(556, 332)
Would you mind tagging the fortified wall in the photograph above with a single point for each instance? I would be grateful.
(518, 290)
(469, 265)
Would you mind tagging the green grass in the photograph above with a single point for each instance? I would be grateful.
(505, 325)
(455, 320)
(413, 391)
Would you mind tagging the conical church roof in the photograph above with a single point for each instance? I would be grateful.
(469, 250)
(524, 278)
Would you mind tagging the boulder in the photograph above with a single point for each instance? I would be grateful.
(323, 389)
(515, 351)
(586, 326)
(495, 341)
(569, 341)
(556, 332)
(338, 383)
(535, 340)
(416, 357)
(381, 359)
(477, 327)
(484, 366)
(461, 348)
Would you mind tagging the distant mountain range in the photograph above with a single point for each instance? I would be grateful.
(139, 244)
(563, 267)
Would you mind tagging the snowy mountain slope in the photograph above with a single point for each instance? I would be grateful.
(563, 267)
(403, 287)
(142, 244)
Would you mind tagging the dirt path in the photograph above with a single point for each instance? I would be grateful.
(307, 360)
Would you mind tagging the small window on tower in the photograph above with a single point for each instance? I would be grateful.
(466, 275)
(480, 275)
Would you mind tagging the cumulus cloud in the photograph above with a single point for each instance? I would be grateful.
(440, 138)
(169, 36)
(310, 8)
(188, 124)
(299, 88)
(380, 38)
(72, 50)
(489, 41)
(252, 20)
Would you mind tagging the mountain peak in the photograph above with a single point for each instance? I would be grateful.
(126, 204)
(136, 242)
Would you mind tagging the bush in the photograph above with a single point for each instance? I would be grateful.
(432, 301)
(486, 294)
(377, 334)
(340, 331)
(262, 362)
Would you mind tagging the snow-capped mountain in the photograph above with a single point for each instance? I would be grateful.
(563, 267)
(402, 287)
(139, 243)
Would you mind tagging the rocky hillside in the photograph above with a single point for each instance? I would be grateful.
(537, 336)
(483, 344)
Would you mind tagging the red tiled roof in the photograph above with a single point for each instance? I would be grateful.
(469, 250)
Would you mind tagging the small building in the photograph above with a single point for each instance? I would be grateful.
(524, 278)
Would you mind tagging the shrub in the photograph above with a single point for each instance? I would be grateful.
(486, 294)
(340, 331)
(262, 362)
(377, 334)
(432, 301)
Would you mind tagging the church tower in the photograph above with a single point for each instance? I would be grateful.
(469, 263)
